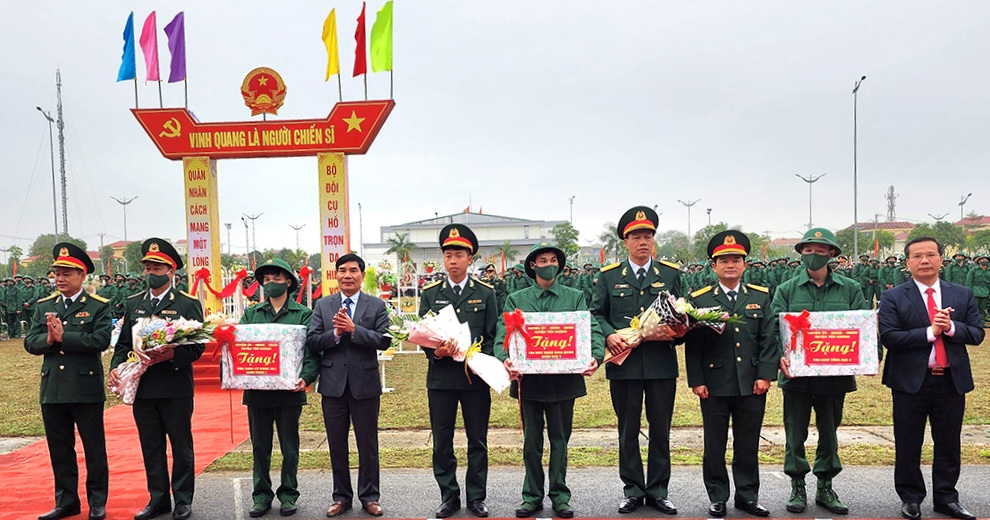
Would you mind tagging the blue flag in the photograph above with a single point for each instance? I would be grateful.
(127, 69)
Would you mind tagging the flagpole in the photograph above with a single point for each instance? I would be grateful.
(365, 86)
(135, 91)
(340, 90)
(185, 90)
(391, 86)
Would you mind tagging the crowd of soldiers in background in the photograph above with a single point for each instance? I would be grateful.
(19, 295)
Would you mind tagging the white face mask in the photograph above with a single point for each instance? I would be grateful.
(51, 281)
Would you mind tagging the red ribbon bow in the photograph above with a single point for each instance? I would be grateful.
(799, 324)
(516, 322)
(203, 274)
(224, 334)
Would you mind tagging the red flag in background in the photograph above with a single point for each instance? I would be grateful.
(601, 256)
(108, 267)
(360, 53)
(479, 209)
(467, 209)
(876, 248)
(405, 258)
(764, 251)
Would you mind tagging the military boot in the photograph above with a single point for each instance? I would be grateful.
(799, 497)
(827, 498)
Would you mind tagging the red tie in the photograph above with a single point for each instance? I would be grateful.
(941, 358)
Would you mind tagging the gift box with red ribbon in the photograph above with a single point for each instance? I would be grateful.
(549, 342)
(830, 343)
(261, 356)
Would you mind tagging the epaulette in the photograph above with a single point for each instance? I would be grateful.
(486, 284)
(187, 295)
(671, 265)
(758, 288)
(610, 267)
(701, 291)
(45, 299)
(99, 298)
(137, 295)
(432, 285)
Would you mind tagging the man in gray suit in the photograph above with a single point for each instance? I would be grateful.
(346, 330)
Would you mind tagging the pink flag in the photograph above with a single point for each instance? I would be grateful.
(149, 44)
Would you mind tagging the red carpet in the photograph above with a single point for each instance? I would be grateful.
(26, 474)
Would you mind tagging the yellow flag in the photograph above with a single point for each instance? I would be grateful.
(330, 40)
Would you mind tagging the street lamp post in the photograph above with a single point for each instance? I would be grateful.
(962, 204)
(297, 228)
(124, 201)
(227, 225)
(709, 211)
(572, 209)
(688, 205)
(361, 229)
(855, 93)
(51, 150)
(247, 242)
(810, 180)
(254, 238)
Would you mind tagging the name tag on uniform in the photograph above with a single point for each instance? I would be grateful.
(474, 301)
(621, 286)
(441, 302)
(82, 314)
(169, 311)
(750, 306)
(139, 311)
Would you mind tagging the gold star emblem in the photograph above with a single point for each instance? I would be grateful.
(454, 233)
(640, 215)
(153, 248)
(354, 122)
(729, 240)
(262, 81)
(63, 252)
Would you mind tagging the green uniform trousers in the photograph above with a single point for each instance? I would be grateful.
(476, 406)
(262, 421)
(558, 417)
(746, 412)
(156, 419)
(983, 304)
(797, 417)
(627, 402)
(61, 421)
(13, 325)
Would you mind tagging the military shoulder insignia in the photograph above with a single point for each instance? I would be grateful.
(701, 291)
(486, 284)
(99, 298)
(671, 265)
(187, 295)
(758, 288)
(432, 285)
(138, 295)
(609, 267)
(49, 297)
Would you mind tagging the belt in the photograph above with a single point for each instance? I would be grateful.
(938, 371)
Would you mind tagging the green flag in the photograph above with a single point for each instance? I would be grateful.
(381, 39)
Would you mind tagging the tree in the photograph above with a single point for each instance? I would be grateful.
(946, 233)
(132, 256)
(844, 239)
(672, 244)
(106, 257)
(14, 254)
(611, 243)
(979, 242)
(699, 247)
(506, 250)
(42, 249)
(566, 237)
(400, 246)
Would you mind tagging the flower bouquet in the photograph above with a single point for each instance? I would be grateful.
(151, 335)
(433, 330)
(674, 316)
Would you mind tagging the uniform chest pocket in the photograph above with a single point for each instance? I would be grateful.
(654, 290)
(475, 307)
(623, 294)
(82, 322)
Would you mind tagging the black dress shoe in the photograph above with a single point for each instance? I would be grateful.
(753, 507)
(716, 509)
(911, 510)
(526, 509)
(259, 510)
(151, 512)
(60, 512)
(477, 508)
(630, 504)
(955, 510)
(563, 511)
(448, 507)
(182, 512)
(97, 513)
(663, 505)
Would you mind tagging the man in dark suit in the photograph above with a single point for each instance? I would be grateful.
(448, 383)
(649, 373)
(730, 372)
(925, 324)
(347, 330)
(71, 329)
(164, 403)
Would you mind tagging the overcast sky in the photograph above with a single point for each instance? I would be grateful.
(519, 105)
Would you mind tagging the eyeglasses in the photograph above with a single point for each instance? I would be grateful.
(928, 256)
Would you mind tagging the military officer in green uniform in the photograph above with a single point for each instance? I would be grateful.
(816, 287)
(978, 279)
(119, 296)
(29, 297)
(731, 373)
(106, 287)
(164, 404)
(547, 399)
(447, 381)
(957, 270)
(492, 278)
(623, 291)
(268, 410)
(71, 329)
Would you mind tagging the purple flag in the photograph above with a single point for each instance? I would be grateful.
(176, 32)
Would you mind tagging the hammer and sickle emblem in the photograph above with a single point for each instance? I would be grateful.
(172, 128)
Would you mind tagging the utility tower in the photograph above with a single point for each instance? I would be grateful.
(891, 203)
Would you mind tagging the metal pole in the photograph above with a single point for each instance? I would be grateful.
(254, 240)
(227, 224)
(572, 210)
(51, 151)
(124, 201)
(61, 151)
(855, 93)
(247, 242)
(688, 205)
(810, 180)
(361, 229)
(709, 210)
(297, 228)
(962, 204)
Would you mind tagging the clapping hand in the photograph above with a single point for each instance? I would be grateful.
(942, 322)
(342, 322)
(55, 330)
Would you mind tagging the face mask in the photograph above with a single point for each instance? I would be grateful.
(547, 272)
(156, 281)
(814, 262)
(51, 281)
(983, 264)
(275, 290)
(960, 262)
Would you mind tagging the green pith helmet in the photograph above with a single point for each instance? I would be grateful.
(277, 264)
(818, 236)
(540, 247)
